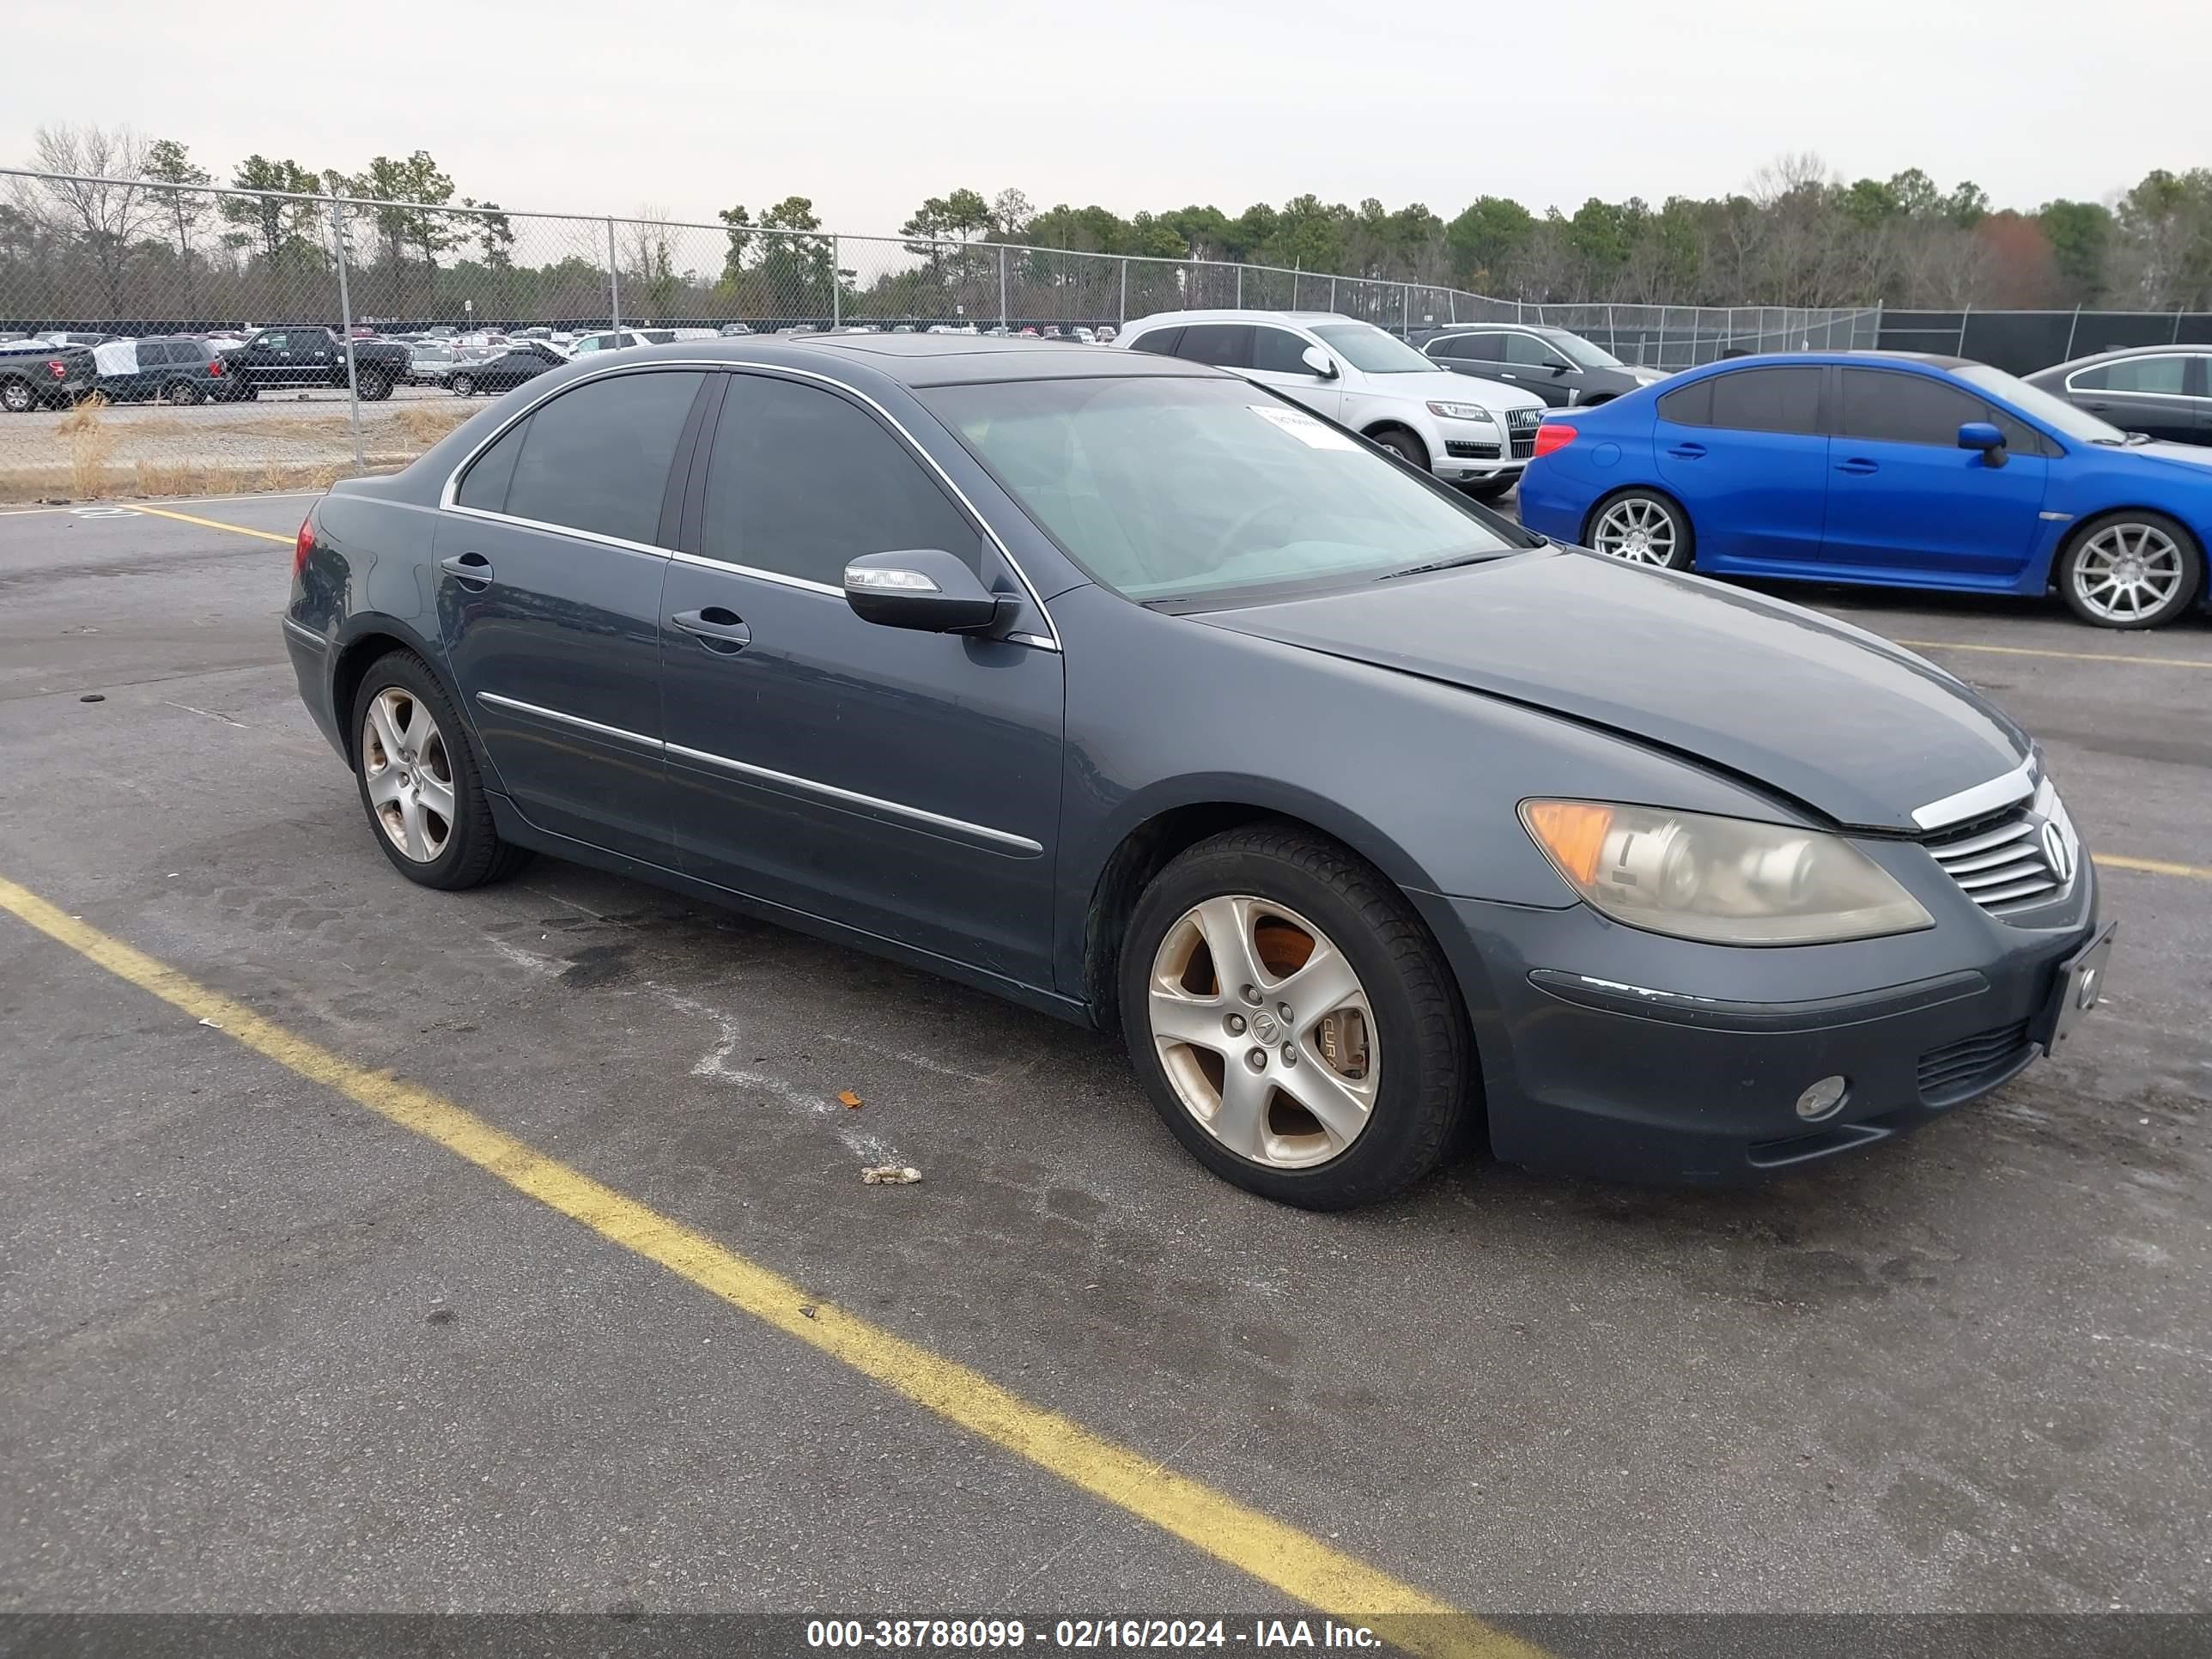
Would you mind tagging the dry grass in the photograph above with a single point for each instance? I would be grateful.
(423, 426)
(89, 442)
(158, 478)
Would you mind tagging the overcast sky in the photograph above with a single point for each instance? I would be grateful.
(868, 105)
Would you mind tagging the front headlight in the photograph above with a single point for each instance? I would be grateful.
(1462, 412)
(1726, 881)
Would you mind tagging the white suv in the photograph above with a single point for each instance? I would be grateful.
(1474, 432)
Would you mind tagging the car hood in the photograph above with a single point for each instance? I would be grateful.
(2196, 458)
(1445, 386)
(1840, 719)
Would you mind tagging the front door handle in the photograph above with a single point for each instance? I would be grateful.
(1857, 467)
(1687, 452)
(718, 630)
(469, 567)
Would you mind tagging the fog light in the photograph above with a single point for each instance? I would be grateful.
(1823, 1098)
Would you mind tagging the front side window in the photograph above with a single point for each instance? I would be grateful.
(597, 456)
(1891, 406)
(1189, 491)
(1279, 351)
(1785, 400)
(1529, 352)
(802, 482)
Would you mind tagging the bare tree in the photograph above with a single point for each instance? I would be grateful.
(96, 193)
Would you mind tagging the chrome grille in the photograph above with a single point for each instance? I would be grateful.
(1521, 426)
(2007, 861)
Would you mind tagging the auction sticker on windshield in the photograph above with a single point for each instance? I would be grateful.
(1306, 429)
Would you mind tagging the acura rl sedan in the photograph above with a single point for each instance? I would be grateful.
(1116, 685)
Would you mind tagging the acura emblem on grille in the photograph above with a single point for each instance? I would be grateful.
(2057, 852)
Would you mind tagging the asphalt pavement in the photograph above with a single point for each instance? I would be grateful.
(269, 1349)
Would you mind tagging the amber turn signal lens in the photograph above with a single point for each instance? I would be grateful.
(1572, 832)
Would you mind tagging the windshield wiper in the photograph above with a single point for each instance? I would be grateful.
(1438, 564)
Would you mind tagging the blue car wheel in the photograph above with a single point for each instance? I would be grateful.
(1642, 526)
(2130, 569)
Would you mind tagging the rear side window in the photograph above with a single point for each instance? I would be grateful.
(1688, 405)
(484, 484)
(802, 482)
(1161, 340)
(2158, 374)
(1767, 400)
(1892, 406)
(157, 352)
(1225, 346)
(596, 457)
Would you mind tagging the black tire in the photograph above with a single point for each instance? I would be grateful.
(463, 387)
(2069, 573)
(1679, 557)
(374, 385)
(1427, 1087)
(1492, 490)
(16, 395)
(473, 855)
(184, 393)
(1405, 445)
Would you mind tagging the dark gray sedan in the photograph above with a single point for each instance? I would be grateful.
(1115, 685)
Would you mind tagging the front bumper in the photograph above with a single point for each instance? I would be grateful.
(1610, 1052)
(1469, 452)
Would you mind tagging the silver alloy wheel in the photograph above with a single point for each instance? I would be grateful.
(2128, 571)
(410, 773)
(1638, 529)
(1264, 1032)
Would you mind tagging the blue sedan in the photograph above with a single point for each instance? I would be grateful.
(1888, 468)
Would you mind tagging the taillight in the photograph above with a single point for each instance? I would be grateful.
(215, 369)
(305, 543)
(58, 369)
(1554, 435)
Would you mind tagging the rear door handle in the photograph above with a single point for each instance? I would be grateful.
(717, 630)
(469, 567)
(1687, 452)
(1857, 466)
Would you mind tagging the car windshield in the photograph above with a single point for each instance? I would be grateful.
(1584, 353)
(1372, 351)
(2040, 405)
(1167, 490)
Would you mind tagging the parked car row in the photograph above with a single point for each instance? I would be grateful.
(1142, 691)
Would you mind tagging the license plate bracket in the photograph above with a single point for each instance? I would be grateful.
(2081, 986)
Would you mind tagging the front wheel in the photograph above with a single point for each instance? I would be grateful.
(1493, 489)
(419, 781)
(1641, 526)
(1292, 1020)
(1405, 445)
(463, 387)
(2134, 569)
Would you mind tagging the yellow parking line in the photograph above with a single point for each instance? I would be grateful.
(2070, 656)
(216, 524)
(2151, 867)
(141, 507)
(1275, 1554)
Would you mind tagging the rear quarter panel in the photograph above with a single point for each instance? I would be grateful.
(1612, 450)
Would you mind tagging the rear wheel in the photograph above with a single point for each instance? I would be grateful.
(1292, 1020)
(1641, 526)
(419, 780)
(16, 397)
(376, 386)
(2134, 569)
(464, 385)
(184, 393)
(1404, 445)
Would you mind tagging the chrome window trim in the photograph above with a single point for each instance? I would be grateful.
(999, 838)
(2147, 358)
(2008, 790)
(582, 535)
(449, 492)
(778, 577)
(493, 699)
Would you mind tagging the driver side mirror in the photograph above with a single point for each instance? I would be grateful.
(928, 589)
(1319, 361)
(1985, 436)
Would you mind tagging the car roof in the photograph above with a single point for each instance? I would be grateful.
(921, 360)
(1812, 357)
(1298, 319)
(2115, 353)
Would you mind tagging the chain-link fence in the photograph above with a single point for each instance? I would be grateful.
(246, 339)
